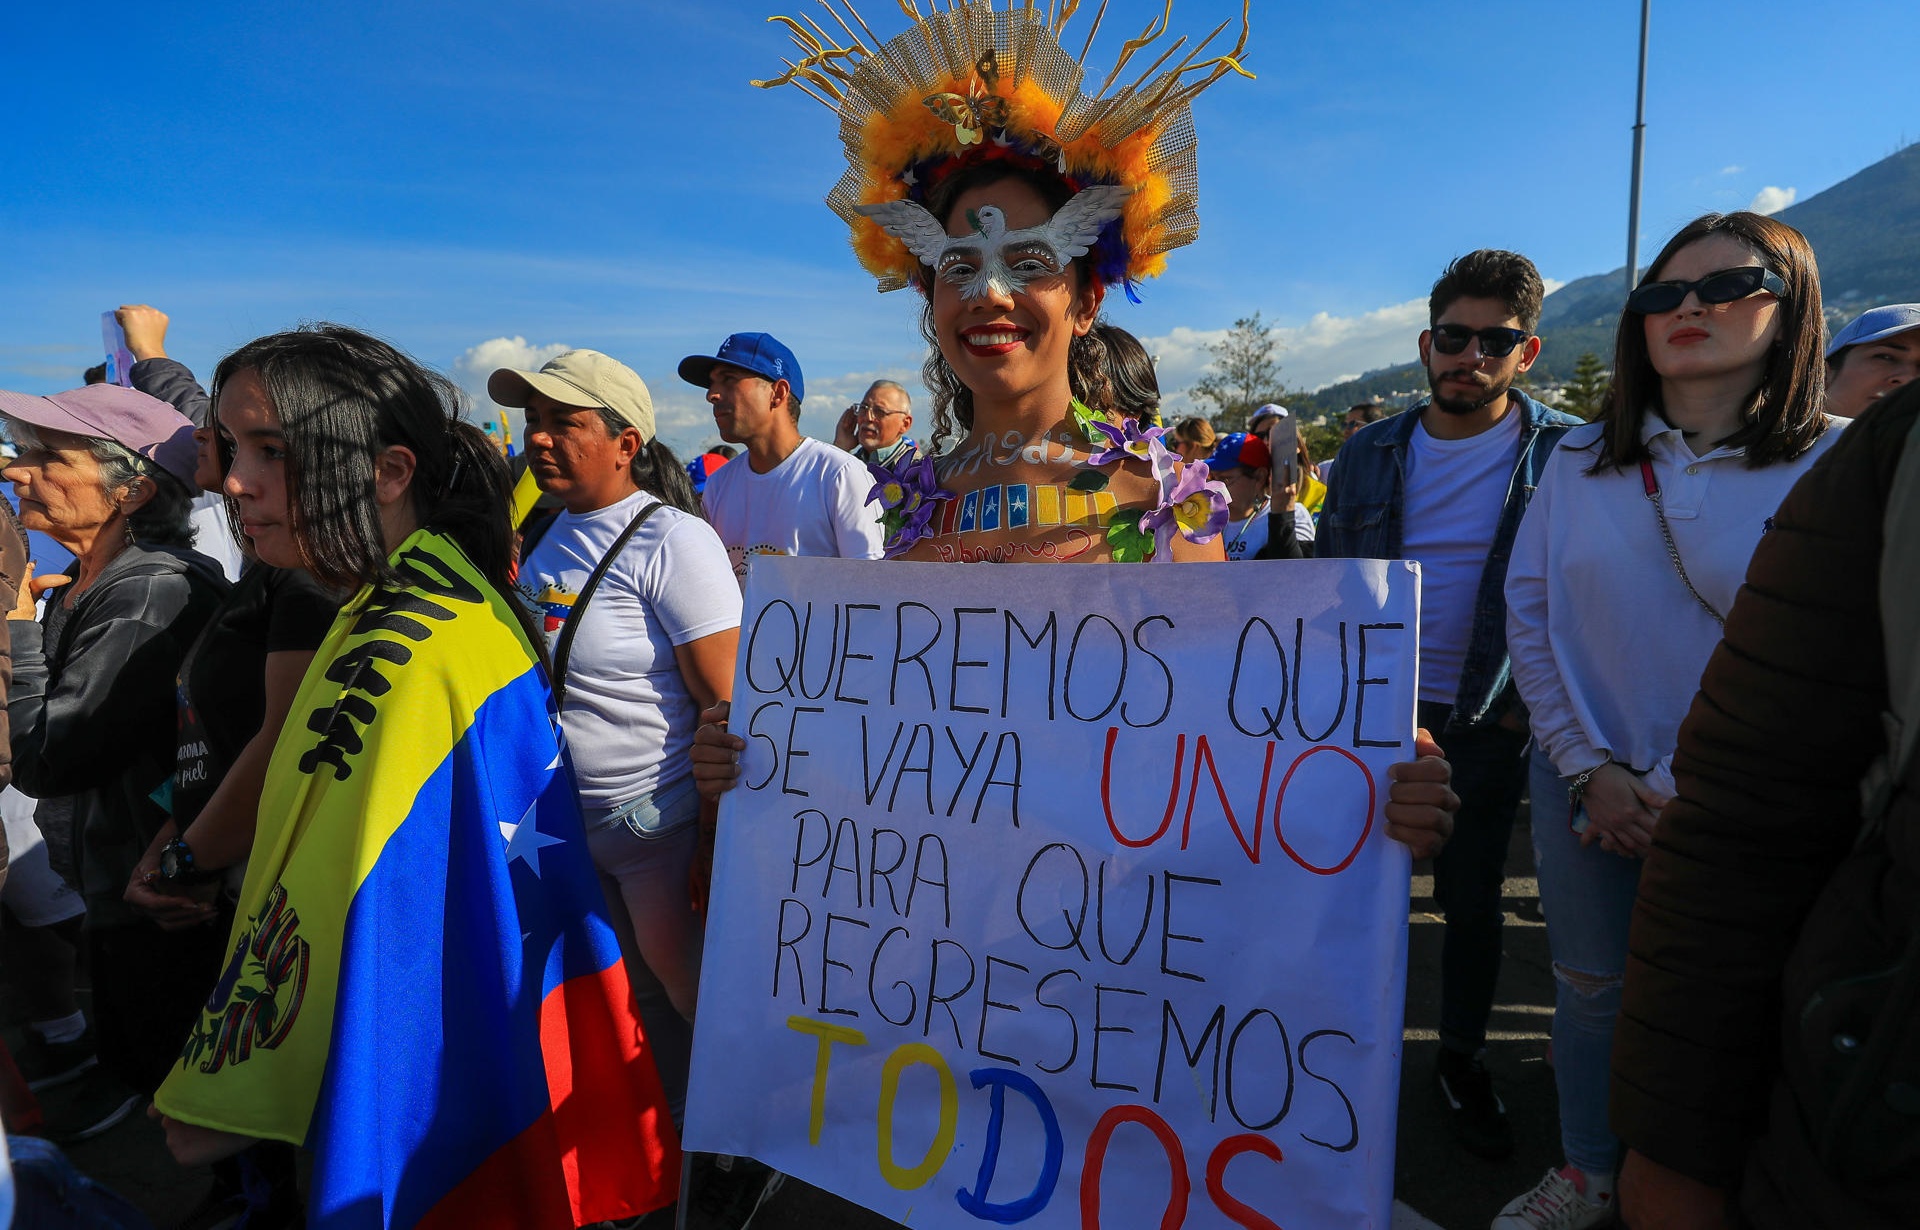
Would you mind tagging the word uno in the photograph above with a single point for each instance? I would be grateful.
(1203, 758)
(979, 1199)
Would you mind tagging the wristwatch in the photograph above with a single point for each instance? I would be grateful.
(177, 866)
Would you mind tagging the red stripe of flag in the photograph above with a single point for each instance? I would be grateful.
(606, 1150)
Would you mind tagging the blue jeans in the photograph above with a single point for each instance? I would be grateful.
(644, 851)
(1587, 895)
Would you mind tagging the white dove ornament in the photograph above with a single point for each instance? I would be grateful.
(990, 259)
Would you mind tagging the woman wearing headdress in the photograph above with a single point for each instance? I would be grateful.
(981, 175)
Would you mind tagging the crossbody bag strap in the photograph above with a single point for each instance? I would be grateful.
(1673, 552)
(565, 648)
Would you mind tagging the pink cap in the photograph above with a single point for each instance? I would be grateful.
(128, 417)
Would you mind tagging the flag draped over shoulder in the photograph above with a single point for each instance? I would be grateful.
(423, 986)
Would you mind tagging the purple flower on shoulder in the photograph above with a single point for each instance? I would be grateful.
(908, 493)
(1124, 441)
(1192, 503)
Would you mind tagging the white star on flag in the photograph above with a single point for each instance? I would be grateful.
(524, 840)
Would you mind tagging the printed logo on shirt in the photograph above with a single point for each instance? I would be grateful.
(554, 603)
(737, 556)
(549, 600)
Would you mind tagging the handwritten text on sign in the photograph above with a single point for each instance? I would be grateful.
(1049, 890)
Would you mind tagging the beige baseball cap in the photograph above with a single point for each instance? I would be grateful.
(580, 378)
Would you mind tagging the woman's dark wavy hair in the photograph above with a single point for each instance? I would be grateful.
(656, 469)
(1782, 417)
(1130, 373)
(1087, 359)
(342, 397)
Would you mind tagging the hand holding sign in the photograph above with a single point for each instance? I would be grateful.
(1067, 898)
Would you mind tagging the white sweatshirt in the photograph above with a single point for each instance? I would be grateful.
(1607, 644)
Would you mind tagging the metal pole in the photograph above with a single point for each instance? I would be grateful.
(1639, 149)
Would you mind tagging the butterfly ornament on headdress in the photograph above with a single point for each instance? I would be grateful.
(991, 259)
(979, 109)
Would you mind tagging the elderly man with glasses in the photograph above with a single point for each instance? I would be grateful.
(875, 430)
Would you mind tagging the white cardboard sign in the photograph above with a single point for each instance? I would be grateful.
(1062, 896)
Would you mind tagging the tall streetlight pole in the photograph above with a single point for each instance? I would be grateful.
(1639, 150)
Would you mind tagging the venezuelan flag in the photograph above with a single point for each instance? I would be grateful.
(424, 989)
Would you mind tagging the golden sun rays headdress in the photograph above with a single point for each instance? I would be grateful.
(972, 83)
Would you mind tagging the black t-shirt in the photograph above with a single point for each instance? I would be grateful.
(222, 683)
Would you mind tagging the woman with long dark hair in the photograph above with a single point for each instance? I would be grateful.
(419, 909)
(1013, 242)
(1630, 556)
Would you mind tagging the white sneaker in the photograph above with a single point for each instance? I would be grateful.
(1557, 1202)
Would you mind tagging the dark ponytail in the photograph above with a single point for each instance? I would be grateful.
(657, 469)
(473, 507)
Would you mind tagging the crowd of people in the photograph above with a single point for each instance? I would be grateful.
(1672, 628)
(1577, 581)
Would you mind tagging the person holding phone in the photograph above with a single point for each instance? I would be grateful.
(1258, 499)
(1622, 575)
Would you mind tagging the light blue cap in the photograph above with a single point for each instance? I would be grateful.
(1874, 324)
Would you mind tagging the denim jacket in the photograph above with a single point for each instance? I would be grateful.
(1361, 520)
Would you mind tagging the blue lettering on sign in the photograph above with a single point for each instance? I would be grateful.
(1009, 1211)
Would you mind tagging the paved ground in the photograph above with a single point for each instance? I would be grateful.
(1434, 1178)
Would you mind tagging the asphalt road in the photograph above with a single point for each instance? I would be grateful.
(1433, 1176)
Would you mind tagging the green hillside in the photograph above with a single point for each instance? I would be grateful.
(1865, 232)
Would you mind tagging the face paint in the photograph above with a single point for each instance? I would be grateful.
(992, 259)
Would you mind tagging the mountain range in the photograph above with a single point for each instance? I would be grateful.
(1865, 232)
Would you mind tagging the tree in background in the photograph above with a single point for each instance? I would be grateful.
(1244, 374)
(1323, 439)
(1586, 394)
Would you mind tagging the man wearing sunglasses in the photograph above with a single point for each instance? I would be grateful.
(875, 430)
(1445, 484)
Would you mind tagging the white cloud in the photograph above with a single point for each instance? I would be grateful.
(471, 369)
(1732, 170)
(1325, 350)
(1771, 200)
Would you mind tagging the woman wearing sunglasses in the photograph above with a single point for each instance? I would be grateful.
(1628, 560)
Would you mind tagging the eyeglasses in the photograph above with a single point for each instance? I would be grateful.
(1494, 343)
(868, 410)
(1723, 286)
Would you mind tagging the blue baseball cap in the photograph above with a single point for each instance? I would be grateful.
(760, 353)
(1874, 324)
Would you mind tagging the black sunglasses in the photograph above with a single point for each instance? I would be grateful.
(1724, 286)
(1494, 343)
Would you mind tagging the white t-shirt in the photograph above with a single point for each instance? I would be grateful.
(813, 503)
(1450, 512)
(1245, 539)
(628, 716)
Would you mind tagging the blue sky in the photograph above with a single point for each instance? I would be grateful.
(456, 177)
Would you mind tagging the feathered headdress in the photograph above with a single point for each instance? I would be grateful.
(973, 83)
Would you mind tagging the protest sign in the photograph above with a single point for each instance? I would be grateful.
(1062, 895)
